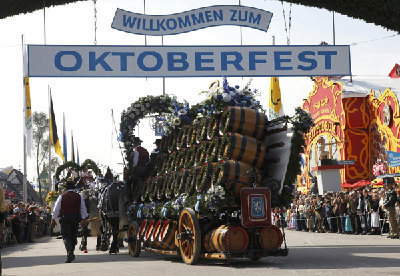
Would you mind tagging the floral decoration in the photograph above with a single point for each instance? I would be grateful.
(215, 198)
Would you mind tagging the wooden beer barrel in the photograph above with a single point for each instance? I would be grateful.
(242, 148)
(234, 175)
(270, 237)
(167, 235)
(155, 241)
(226, 239)
(207, 242)
(148, 232)
(142, 230)
(244, 120)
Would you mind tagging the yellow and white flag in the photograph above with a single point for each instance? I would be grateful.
(275, 102)
(28, 117)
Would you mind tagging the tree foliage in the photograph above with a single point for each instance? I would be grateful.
(41, 149)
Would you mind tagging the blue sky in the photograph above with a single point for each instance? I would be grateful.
(87, 102)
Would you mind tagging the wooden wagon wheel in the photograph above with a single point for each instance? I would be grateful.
(134, 245)
(189, 236)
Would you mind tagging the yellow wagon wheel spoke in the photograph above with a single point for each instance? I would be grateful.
(190, 236)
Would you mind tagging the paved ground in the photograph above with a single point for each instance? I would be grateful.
(310, 254)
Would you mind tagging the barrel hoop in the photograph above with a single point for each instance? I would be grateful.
(217, 239)
(257, 128)
(242, 120)
(242, 148)
(257, 156)
(221, 237)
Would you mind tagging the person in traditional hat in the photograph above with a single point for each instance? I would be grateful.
(389, 204)
(140, 158)
(71, 209)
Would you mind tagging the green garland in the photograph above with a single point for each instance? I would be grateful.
(153, 188)
(189, 160)
(164, 144)
(90, 164)
(67, 165)
(203, 181)
(181, 182)
(191, 134)
(162, 186)
(171, 162)
(191, 180)
(202, 129)
(212, 150)
(180, 159)
(213, 126)
(172, 140)
(182, 137)
(201, 154)
(169, 191)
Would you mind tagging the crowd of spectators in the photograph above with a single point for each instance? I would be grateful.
(358, 212)
(24, 223)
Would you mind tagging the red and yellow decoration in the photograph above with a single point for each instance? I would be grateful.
(361, 129)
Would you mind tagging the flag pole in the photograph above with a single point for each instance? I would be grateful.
(24, 180)
(49, 179)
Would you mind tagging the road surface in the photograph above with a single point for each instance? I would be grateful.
(309, 254)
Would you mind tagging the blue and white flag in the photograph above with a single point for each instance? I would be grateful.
(394, 158)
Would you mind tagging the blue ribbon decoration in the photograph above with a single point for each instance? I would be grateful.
(139, 212)
(197, 206)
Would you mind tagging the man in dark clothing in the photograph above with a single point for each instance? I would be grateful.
(140, 159)
(71, 209)
(389, 203)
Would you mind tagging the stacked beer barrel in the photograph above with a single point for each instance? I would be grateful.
(219, 150)
(223, 149)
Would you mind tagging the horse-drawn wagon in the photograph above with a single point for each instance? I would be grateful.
(210, 190)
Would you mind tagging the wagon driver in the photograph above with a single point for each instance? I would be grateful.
(71, 209)
(140, 159)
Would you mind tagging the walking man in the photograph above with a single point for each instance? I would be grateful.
(389, 203)
(71, 209)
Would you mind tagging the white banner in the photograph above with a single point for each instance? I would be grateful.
(143, 24)
(187, 61)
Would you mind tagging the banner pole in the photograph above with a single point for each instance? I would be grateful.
(49, 179)
(24, 180)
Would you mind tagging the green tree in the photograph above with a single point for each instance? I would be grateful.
(41, 150)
